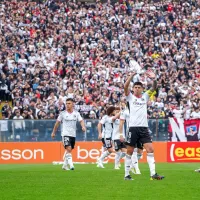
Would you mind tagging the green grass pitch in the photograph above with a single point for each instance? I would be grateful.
(87, 182)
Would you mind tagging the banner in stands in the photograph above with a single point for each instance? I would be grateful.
(184, 130)
(183, 152)
(49, 152)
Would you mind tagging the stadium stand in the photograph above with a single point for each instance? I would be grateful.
(51, 50)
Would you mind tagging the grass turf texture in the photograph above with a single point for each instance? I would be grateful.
(46, 182)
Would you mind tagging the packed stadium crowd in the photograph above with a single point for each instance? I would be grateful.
(54, 50)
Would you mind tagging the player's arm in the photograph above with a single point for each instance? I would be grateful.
(152, 76)
(121, 125)
(55, 129)
(99, 128)
(154, 85)
(80, 119)
(83, 126)
(115, 117)
(126, 85)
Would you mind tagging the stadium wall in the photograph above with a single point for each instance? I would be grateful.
(88, 152)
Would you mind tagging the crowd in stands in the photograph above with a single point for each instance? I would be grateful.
(54, 49)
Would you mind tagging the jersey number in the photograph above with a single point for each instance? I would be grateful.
(66, 140)
(107, 143)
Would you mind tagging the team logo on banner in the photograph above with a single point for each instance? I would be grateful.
(184, 130)
(191, 130)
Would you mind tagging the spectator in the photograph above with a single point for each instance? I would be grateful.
(63, 49)
(178, 113)
(4, 128)
(5, 108)
(195, 114)
(18, 126)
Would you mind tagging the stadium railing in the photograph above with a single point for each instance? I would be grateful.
(40, 130)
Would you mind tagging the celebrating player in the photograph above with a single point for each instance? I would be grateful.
(107, 122)
(138, 125)
(69, 118)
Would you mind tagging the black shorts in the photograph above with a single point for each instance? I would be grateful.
(68, 141)
(119, 145)
(108, 143)
(139, 145)
(138, 136)
(103, 141)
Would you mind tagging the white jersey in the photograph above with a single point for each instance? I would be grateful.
(107, 123)
(115, 135)
(103, 132)
(125, 116)
(138, 110)
(69, 121)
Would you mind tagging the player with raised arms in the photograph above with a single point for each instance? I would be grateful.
(138, 125)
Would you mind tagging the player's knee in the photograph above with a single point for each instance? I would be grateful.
(110, 150)
(68, 149)
(149, 150)
(140, 151)
(130, 150)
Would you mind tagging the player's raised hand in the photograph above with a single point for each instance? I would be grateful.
(133, 73)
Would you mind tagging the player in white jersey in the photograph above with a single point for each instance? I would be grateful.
(137, 154)
(107, 122)
(138, 125)
(120, 148)
(69, 119)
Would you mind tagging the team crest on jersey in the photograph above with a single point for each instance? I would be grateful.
(142, 99)
(74, 116)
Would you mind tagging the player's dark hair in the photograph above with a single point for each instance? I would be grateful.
(69, 99)
(138, 83)
(110, 110)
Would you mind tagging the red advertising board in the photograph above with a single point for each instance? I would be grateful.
(48, 152)
(183, 152)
